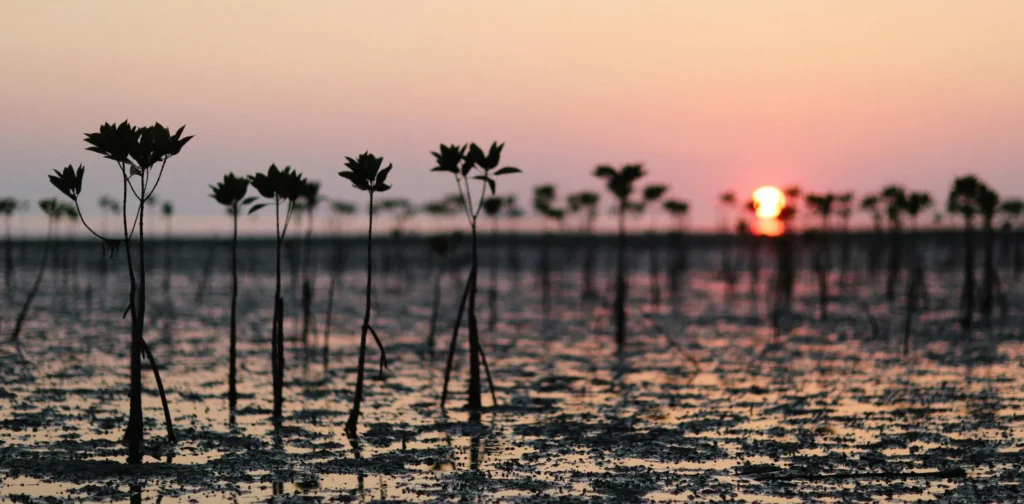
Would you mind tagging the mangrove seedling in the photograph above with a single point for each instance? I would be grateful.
(54, 212)
(652, 194)
(620, 184)
(339, 209)
(1013, 209)
(544, 204)
(141, 154)
(492, 207)
(965, 198)
(366, 174)
(678, 211)
(585, 203)
(280, 186)
(465, 165)
(8, 206)
(230, 192)
(822, 205)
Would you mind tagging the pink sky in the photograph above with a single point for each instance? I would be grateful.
(709, 95)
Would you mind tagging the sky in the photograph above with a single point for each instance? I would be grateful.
(710, 96)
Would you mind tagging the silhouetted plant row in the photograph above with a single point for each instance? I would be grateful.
(142, 153)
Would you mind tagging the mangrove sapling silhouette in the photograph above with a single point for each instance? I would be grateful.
(895, 200)
(230, 192)
(308, 203)
(585, 203)
(727, 204)
(54, 211)
(785, 265)
(366, 174)
(109, 207)
(965, 199)
(492, 207)
(167, 209)
(440, 247)
(8, 206)
(844, 211)
(914, 204)
(401, 211)
(140, 153)
(870, 204)
(620, 184)
(543, 203)
(753, 247)
(280, 186)
(1012, 210)
(463, 166)
(652, 194)
(822, 204)
(678, 211)
(339, 209)
(514, 214)
(988, 202)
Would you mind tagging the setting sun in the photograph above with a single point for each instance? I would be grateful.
(768, 202)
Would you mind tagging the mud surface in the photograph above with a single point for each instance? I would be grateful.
(703, 406)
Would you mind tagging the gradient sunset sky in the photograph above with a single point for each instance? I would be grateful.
(831, 95)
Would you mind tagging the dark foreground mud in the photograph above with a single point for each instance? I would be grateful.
(703, 406)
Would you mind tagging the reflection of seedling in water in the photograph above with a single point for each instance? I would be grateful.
(141, 153)
(282, 186)
(366, 175)
(620, 183)
(54, 212)
(464, 165)
(585, 203)
(230, 192)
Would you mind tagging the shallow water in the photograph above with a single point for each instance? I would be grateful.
(702, 406)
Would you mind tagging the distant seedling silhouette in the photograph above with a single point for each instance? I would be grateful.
(464, 166)
(652, 194)
(308, 203)
(54, 212)
(366, 174)
(493, 207)
(230, 192)
(969, 197)
(339, 209)
(544, 197)
(141, 153)
(281, 186)
(1013, 209)
(8, 206)
(585, 203)
(822, 205)
(914, 204)
(678, 210)
(620, 183)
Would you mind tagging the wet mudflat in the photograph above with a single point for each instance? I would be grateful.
(704, 406)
